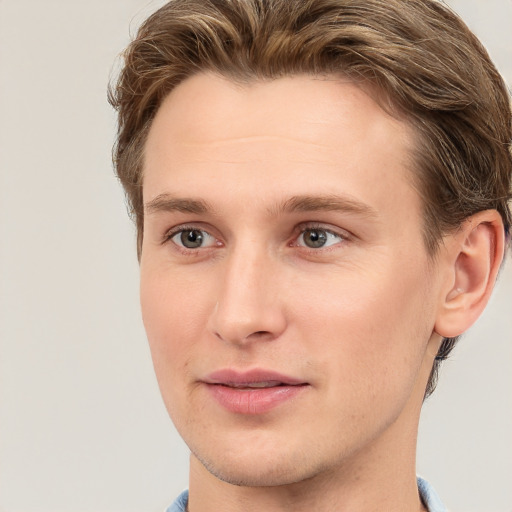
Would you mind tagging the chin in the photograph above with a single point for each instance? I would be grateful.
(260, 471)
(267, 476)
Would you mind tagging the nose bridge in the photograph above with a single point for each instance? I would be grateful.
(247, 303)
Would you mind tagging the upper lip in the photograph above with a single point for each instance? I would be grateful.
(234, 377)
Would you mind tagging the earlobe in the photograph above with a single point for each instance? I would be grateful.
(474, 255)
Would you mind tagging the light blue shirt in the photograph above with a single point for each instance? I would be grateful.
(427, 493)
(180, 504)
(430, 497)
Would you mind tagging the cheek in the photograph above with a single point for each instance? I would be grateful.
(371, 330)
(173, 314)
(174, 304)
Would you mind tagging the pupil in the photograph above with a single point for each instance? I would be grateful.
(192, 239)
(315, 238)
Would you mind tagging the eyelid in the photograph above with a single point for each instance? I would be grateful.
(335, 230)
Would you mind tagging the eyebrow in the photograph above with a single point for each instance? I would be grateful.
(307, 203)
(302, 203)
(169, 203)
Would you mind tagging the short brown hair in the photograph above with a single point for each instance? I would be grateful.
(429, 66)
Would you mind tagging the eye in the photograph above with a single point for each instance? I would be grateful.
(192, 238)
(318, 238)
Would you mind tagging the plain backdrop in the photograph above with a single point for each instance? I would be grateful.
(82, 426)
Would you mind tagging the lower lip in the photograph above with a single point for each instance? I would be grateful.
(255, 400)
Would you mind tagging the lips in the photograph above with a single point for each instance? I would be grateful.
(254, 385)
(252, 392)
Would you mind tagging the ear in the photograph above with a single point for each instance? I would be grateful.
(471, 257)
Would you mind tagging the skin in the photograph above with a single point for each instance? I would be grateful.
(359, 319)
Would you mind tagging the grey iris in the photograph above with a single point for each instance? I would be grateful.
(192, 239)
(315, 238)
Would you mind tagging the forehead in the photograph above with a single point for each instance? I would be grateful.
(300, 105)
(268, 137)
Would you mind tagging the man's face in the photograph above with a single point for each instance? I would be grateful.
(286, 292)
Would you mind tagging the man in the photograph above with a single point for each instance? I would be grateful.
(320, 190)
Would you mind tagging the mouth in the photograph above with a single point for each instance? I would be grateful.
(255, 385)
(255, 378)
(253, 392)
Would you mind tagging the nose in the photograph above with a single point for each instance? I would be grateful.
(249, 306)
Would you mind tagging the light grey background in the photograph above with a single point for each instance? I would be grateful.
(82, 427)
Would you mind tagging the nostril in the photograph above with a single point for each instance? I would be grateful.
(253, 336)
(261, 336)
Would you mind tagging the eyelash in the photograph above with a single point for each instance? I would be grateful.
(312, 226)
(298, 232)
(169, 235)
